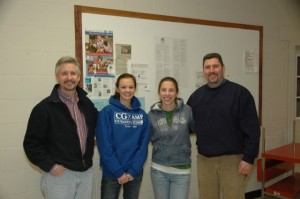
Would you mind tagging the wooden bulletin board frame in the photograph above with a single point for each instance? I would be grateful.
(80, 10)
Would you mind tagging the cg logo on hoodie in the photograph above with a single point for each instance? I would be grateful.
(128, 118)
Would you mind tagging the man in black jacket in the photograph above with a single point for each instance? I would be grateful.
(60, 136)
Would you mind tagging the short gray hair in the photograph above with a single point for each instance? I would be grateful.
(67, 59)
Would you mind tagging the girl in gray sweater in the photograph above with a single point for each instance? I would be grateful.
(171, 122)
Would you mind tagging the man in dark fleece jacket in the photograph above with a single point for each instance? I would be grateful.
(60, 136)
(227, 130)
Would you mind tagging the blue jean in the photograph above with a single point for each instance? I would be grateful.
(110, 188)
(169, 185)
(71, 185)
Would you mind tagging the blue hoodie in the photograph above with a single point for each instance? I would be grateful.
(122, 137)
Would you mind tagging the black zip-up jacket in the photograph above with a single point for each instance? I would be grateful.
(51, 136)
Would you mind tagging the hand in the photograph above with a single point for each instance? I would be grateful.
(123, 179)
(129, 177)
(244, 168)
(58, 170)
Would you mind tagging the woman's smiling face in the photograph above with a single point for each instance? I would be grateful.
(126, 89)
(168, 93)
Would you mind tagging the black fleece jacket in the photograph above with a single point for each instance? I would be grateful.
(51, 136)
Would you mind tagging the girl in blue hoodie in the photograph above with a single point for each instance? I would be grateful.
(122, 137)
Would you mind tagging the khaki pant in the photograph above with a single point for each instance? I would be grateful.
(218, 177)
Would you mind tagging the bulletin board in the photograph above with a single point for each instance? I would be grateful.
(153, 46)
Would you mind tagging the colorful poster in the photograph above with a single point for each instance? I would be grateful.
(99, 53)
